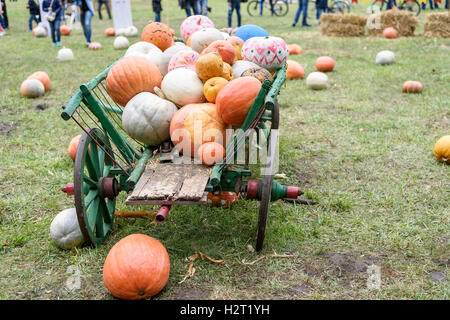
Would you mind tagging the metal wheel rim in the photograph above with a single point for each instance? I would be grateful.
(253, 8)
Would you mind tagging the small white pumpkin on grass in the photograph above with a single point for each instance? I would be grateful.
(65, 54)
(182, 86)
(121, 42)
(65, 230)
(385, 57)
(317, 81)
(131, 31)
(40, 31)
(32, 88)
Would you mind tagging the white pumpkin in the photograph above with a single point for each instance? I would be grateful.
(121, 43)
(32, 88)
(240, 66)
(145, 50)
(65, 230)
(146, 118)
(385, 57)
(204, 37)
(65, 54)
(225, 35)
(40, 31)
(182, 86)
(131, 31)
(317, 81)
(167, 55)
(120, 31)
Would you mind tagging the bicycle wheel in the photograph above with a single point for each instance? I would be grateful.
(410, 6)
(341, 7)
(253, 8)
(280, 8)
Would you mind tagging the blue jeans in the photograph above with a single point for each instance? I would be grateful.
(2, 23)
(30, 21)
(54, 30)
(390, 4)
(261, 5)
(157, 17)
(195, 8)
(319, 12)
(302, 6)
(85, 19)
(235, 5)
(204, 7)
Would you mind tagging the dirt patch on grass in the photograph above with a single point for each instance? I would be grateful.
(6, 129)
(192, 294)
(345, 264)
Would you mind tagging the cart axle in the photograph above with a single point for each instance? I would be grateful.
(254, 187)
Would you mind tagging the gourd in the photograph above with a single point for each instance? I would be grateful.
(236, 98)
(442, 149)
(65, 54)
(294, 49)
(209, 65)
(43, 77)
(390, 33)
(40, 31)
(248, 31)
(121, 43)
(237, 44)
(294, 70)
(201, 39)
(325, 64)
(146, 118)
(131, 31)
(224, 49)
(136, 267)
(167, 55)
(94, 46)
(110, 32)
(145, 50)
(194, 23)
(73, 147)
(32, 88)
(211, 153)
(267, 52)
(130, 76)
(317, 81)
(240, 66)
(182, 86)
(64, 30)
(412, 86)
(194, 125)
(159, 34)
(212, 87)
(385, 57)
(65, 230)
(259, 73)
(227, 72)
(183, 59)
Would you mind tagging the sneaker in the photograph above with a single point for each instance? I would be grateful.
(54, 44)
(293, 24)
(58, 44)
(306, 25)
(2, 33)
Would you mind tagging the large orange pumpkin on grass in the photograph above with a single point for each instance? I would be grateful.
(130, 76)
(195, 124)
(65, 30)
(294, 70)
(442, 149)
(224, 48)
(159, 34)
(325, 64)
(110, 32)
(236, 98)
(390, 33)
(73, 147)
(137, 267)
(43, 77)
(294, 49)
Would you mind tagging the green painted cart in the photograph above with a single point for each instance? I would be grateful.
(108, 161)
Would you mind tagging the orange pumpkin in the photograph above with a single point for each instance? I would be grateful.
(237, 44)
(390, 33)
(64, 30)
(227, 72)
(209, 66)
(73, 147)
(137, 267)
(212, 87)
(211, 153)
(159, 34)
(130, 76)
(294, 70)
(43, 77)
(224, 48)
(236, 98)
(442, 149)
(110, 32)
(325, 64)
(294, 49)
(412, 87)
(195, 124)
(222, 199)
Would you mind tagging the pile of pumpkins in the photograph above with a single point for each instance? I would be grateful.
(192, 92)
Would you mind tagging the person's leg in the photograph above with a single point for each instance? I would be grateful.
(188, 9)
(271, 7)
(52, 32)
(87, 26)
(305, 13)
(196, 8)
(108, 10)
(58, 32)
(2, 22)
(204, 7)
(297, 14)
(99, 9)
(157, 17)
(238, 11)
(230, 14)
(5, 16)
(30, 23)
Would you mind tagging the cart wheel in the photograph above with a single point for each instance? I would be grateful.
(267, 187)
(95, 190)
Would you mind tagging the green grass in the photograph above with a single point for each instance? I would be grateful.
(361, 148)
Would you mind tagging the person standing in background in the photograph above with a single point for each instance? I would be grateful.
(234, 5)
(204, 9)
(157, 8)
(5, 15)
(2, 22)
(187, 5)
(99, 8)
(302, 6)
(261, 6)
(53, 7)
(86, 14)
(321, 6)
(34, 14)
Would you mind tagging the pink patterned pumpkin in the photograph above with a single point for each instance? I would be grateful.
(183, 59)
(194, 23)
(267, 52)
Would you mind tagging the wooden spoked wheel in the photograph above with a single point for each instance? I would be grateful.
(268, 177)
(94, 188)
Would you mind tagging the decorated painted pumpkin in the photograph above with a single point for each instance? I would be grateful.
(65, 54)
(146, 118)
(159, 34)
(65, 30)
(267, 52)
(32, 88)
(212, 87)
(249, 31)
(294, 70)
(211, 153)
(194, 125)
(390, 33)
(167, 55)
(130, 76)
(65, 230)
(94, 46)
(209, 65)
(136, 267)
(325, 64)
(43, 77)
(73, 147)
(183, 59)
(224, 49)
(203, 38)
(121, 42)
(110, 32)
(317, 81)
(294, 49)
(412, 86)
(240, 66)
(236, 98)
(182, 86)
(259, 73)
(194, 23)
(442, 149)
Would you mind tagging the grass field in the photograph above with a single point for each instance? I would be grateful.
(362, 149)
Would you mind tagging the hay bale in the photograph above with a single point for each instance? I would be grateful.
(405, 22)
(437, 25)
(342, 25)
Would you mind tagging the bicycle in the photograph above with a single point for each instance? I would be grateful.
(377, 6)
(280, 7)
(340, 6)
